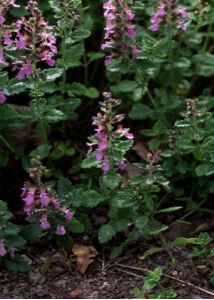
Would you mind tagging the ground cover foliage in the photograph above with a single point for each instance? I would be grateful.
(106, 123)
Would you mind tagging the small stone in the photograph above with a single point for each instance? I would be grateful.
(175, 273)
(34, 277)
(60, 283)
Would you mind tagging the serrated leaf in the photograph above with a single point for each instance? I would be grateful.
(31, 233)
(17, 264)
(111, 180)
(90, 162)
(93, 198)
(52, 74)
(106, 233)
(80, 34)
(182, 123)
(76, 226)
(141, 221)
(42, 151)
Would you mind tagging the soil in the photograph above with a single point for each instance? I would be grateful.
(54, 274)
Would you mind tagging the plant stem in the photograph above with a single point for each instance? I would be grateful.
(7, 144)
(152, 100)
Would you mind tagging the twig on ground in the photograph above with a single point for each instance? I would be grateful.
(165, 275)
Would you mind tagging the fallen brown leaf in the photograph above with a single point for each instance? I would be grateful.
(76, 293)
(85, 256)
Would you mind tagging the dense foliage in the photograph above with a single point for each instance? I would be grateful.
(106, 119)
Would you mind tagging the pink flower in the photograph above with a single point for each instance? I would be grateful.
(99, 155)
(45, 200)
(103, 145)
(25, 71)
(3, 250)
(177, 14)
(2, 20)
(69, 214)
(105, 165)
(60, 230)
(44, 224)
(29, 197)
(118, 29)
(2, 97)
(182, 12)
(131, 31)
(121, 165)
(12, 2)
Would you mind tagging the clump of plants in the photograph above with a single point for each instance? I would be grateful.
(143, 70)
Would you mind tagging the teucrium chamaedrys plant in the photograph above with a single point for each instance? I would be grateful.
(10, 242)
(42, 204)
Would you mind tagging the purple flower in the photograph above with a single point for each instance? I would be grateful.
(182, 12)
(103, 145)
(25, 71)
(60, 230)
(99, 155)
(131, 31)
(118, 29)
(2, 97)
(29, 197)
(69, 214)
(129, 14)
(121, 165)
(177, 14)
(56, 204)
(44, 224)
(105, 165)
(2, 20)
(12, 2)
(45, 200)
(3, 250)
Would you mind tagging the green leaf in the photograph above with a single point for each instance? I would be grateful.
(94, 56)
(123, 199)
(64, 187)
(204, 64)
(31, 233)
(183, 123)
(52, 74)
(141, 221)
(169, 209)
(93, 198)
(92, 93)
(76, 226)
(54, 115)
(73, 56)
(106, 233)
(124, 86)
(7, 113)
(17, 264)
(3, 80)
(81, 34)
(153, 279)
(90, 162)
(201, 170)
(140, 112)
(121, 225)
(12, 241)
(42, 151)
(3, 158)
(15, 87)
(64, 242)
(111, 180)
